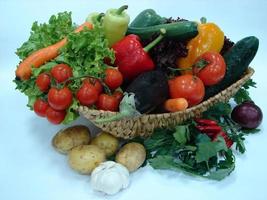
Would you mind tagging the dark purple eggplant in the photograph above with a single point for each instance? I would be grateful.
(151, 89)
(247, 115)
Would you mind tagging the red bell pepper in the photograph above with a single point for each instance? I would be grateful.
(131, 58)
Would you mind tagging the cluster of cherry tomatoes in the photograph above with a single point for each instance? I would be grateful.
(60, 97)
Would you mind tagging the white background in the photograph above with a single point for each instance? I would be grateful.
(29, 167)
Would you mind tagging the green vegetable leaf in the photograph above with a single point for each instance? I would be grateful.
(31, 101)
(243, 94)
(71, 112)
(181, 134)
(201, 138)
(86, 51)
(206, 150)
(24, 85)
(160, 137)
(217, 111)
(224, 168)
(250, 131)
(30, 89)
(249, 83)
(163, 162)
(240, 146)
(46, 34)
(127, 110)
(44, 68)
(220, 173)
(168, 162)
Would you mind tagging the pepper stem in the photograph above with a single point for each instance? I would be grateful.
(99, 17)
(203, 20)
(121, 9)
(156, 41)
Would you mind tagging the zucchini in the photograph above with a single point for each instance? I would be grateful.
(178, 30)
(147, 18)
(237, 60)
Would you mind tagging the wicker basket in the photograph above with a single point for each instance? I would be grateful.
(145, 124)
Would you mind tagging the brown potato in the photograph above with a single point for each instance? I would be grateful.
(131, 155)
(107, 142)
(71, 137)
(85, 158)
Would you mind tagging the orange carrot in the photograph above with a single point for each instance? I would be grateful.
(174, 105)
(41, 56)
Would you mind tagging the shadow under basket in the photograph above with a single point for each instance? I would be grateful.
(144, 125)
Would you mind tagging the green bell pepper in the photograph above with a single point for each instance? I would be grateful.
(147, 18)
(115, 24)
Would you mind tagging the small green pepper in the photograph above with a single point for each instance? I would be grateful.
(147, 18)
(92, 17)
(115, 24)
(95, 18)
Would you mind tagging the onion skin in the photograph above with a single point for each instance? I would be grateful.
(247, 115)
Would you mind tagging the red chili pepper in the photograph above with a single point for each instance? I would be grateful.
(209, 130)
(131, 58)
(205, 122)
(226, 138)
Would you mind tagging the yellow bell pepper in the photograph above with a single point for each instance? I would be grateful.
(210, 38)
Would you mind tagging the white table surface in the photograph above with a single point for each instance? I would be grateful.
(30, 169)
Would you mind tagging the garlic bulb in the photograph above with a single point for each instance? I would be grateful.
(110, 177)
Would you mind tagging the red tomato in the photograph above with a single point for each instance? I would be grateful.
(118, 95)
(43, 82)
(214, 71)
(59, 99)
(189, 87)
(96, 83)
(113, 78)
(107, 102)
(61, 72)
(87, 95)
(55, 116)
(40, 106)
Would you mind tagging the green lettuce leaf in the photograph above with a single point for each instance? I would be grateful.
(72, 113)
(86, 51)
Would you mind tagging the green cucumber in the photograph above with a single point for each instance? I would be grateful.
(237, 60)
(178, 30)
(147, 17)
